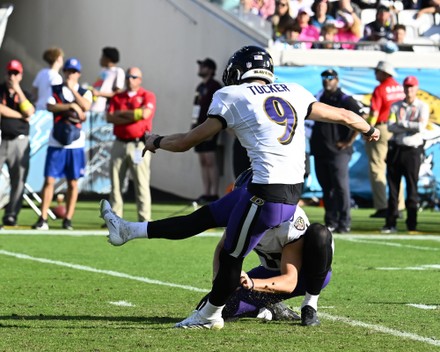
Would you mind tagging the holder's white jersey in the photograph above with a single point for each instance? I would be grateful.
(270, 247)
(268, 120)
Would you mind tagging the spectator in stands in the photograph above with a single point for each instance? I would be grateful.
(328, 34)
(349, 28)
(399, 32)
(206, 150)
(321, 9)
(48, 77)
(381, 27)
(309, 32)
(131, 112)
(265, 7)
(15, 112)
(408, 118)
(384, 95)
(111, 79)
(435, 8)
(295, 5)
(293, 33)
(331, 145)
(65, 155)
(280, 20)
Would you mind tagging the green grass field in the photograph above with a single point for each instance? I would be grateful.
(72, 291)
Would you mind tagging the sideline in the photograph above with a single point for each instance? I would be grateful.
(356, 323)
(217, 233)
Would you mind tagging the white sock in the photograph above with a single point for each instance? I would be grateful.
(138, 229)
(310, 300)
(210, 311)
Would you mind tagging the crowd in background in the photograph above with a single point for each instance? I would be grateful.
(340, 24)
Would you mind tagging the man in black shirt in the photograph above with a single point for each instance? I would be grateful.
(331, 146)
(15, 111)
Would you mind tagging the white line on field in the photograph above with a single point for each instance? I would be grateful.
(122, 304)
(79, 233)
(215, 233)
(379, 328)
(99, 271)
(391, 244)
(423, 306)
(420, 267)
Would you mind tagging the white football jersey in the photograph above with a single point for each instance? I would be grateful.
(268, 120)
(270, 247)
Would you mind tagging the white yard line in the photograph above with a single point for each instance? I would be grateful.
(374, 327)
(415, 268)
(423, 306)
(99, 271)
(381, 329)
(391, 244)
(122, 304)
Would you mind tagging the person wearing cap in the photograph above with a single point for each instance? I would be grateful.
(65, 155)
(15, 112)
(384, 95)
(331, 146)
(206, 150)
(309, 32)
(408, 118)
(111, 79)
(131, 112)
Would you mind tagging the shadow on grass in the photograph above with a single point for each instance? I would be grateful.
(41, 317)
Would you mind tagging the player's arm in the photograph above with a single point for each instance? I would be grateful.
(326, 113)
(291, 259)
(180, 142)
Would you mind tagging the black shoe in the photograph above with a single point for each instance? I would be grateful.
(67, 224)
(309, 317)
(41, 224)
(281, 311)
(9, 220)
(381, 213)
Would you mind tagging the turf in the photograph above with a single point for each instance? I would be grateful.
(56, 291)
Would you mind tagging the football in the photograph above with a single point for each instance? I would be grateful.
(59, 211)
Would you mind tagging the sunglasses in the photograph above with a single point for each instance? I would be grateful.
(132, 77)
(13, 73)
(70, 71)
(282, 4)
(329, 77)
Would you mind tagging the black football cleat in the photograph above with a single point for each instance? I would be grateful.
(309, 317)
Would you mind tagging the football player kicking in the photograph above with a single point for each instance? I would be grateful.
(296, 260)
(268, 120)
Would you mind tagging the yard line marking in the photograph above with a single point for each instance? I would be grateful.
(122, 304)
(213, 233)
(99, 271)
(74, 233)
(381, 329)
(423, 306)
(389, 237)
(420, 267)
(391, 244)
